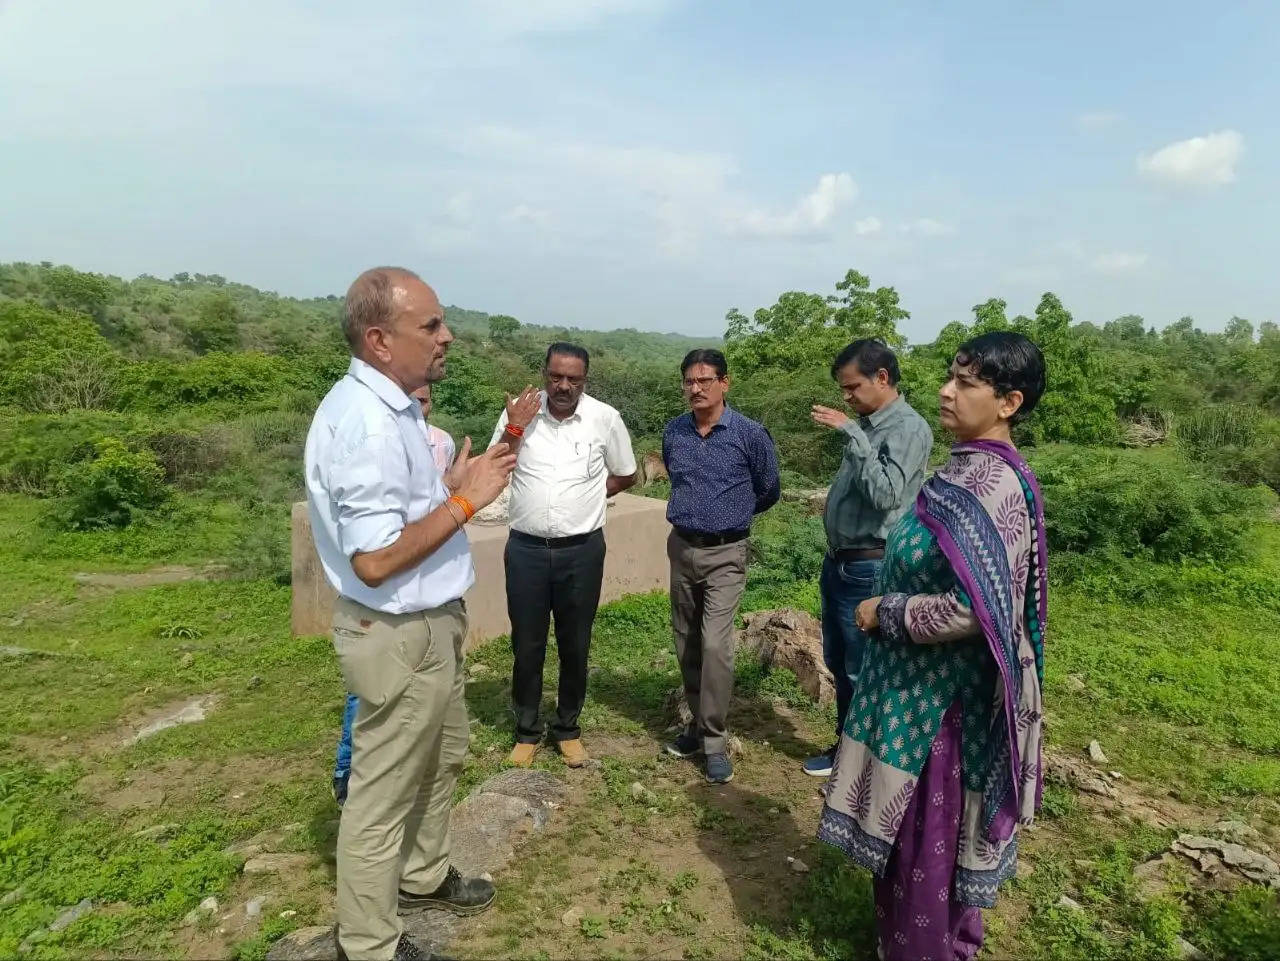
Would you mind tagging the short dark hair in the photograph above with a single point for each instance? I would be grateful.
(871, 356)
(564, 349)
(705, 355)
(1008, 362)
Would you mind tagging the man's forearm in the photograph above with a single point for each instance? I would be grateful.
(417, 541)
(512, 440)
(617, 483)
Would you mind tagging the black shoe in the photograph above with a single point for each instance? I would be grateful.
(686, 745)
(460, 895)
(340, 789)
(406, 950)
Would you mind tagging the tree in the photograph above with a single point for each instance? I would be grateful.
(85, 292)
(1130, 327)
(502, 327)
(216, 325)
(804, 329)
(1239, 331)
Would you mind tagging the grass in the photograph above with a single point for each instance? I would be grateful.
(1181, 694)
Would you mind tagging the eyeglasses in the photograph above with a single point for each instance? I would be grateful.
(704, 382)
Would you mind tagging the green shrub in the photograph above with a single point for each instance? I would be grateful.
(188, 456)
(1222, 425)
(1150, 504)
(112, 488)
(37, 449)
(272, 428)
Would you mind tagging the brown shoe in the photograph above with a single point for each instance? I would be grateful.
(574, 754)
(522, 754)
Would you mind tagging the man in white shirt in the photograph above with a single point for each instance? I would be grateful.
(442, 452)
(389, 535)
(572, 452)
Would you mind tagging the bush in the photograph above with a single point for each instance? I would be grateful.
(1212, 428)
(191, 455)
(111, 489)
(1151, 504)
(37, 449)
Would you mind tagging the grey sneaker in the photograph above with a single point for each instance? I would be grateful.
(686, 745)
(719, 769)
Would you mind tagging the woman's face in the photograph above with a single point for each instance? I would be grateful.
(970, 407)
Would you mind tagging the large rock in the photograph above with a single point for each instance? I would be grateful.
(1213, 856)
(486, 828)
(790, 639)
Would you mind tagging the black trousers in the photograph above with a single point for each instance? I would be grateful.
(543, 582)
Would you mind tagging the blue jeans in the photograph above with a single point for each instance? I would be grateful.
(342, 766)
(843, 586)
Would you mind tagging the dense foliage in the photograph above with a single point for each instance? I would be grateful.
(208, 380)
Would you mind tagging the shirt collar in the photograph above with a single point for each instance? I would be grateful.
(884, 413)
(382, 385)
(726, 418)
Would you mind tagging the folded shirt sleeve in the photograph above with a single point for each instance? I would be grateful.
(369, 484)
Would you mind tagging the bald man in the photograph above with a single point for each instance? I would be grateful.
(387, 524)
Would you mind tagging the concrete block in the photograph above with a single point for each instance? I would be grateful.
(635, 533)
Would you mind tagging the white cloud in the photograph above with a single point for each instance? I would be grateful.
(867, 225)
(927, 227)
(1118, 262)
(459, 210)
(1097, 121)
(526, 214)
(1208, 161)
(548, 16)
(811, 215)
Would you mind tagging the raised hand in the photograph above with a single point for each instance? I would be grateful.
(482, 478)
(523, 408)
(829, 417)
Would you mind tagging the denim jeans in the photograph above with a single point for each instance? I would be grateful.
(843, 586)
(342, 766)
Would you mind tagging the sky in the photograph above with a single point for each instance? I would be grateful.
(654, 163)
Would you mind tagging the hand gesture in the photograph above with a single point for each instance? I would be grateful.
(480, 479)
(867, 617)
(828, 417)
(523, 408)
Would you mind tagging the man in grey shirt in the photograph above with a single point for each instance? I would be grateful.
(885, 455)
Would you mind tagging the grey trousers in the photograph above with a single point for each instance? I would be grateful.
(706, 586)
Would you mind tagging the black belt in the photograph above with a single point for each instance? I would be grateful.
(703, 539)
(857, 554)
(571, 541)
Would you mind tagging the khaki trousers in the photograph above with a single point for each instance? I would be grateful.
(706, 586)
(409, 741)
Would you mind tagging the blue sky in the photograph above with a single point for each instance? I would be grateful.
(652, 163)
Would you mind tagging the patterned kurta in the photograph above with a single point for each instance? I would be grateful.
(936, 648)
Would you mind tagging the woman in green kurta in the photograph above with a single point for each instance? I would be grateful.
(939, 761)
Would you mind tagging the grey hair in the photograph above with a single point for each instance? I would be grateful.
(370, 302)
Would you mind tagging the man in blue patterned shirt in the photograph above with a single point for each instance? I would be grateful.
(724, 471)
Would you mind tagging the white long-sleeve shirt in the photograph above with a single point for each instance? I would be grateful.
(370, 470)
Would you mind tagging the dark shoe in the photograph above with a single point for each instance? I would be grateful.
(820, 764)
(340, 789)
(460, 895)
(686, 745)
(406, 950)
(719, 769)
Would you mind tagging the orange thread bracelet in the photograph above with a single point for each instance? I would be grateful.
(513, 429)
(468, 509)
